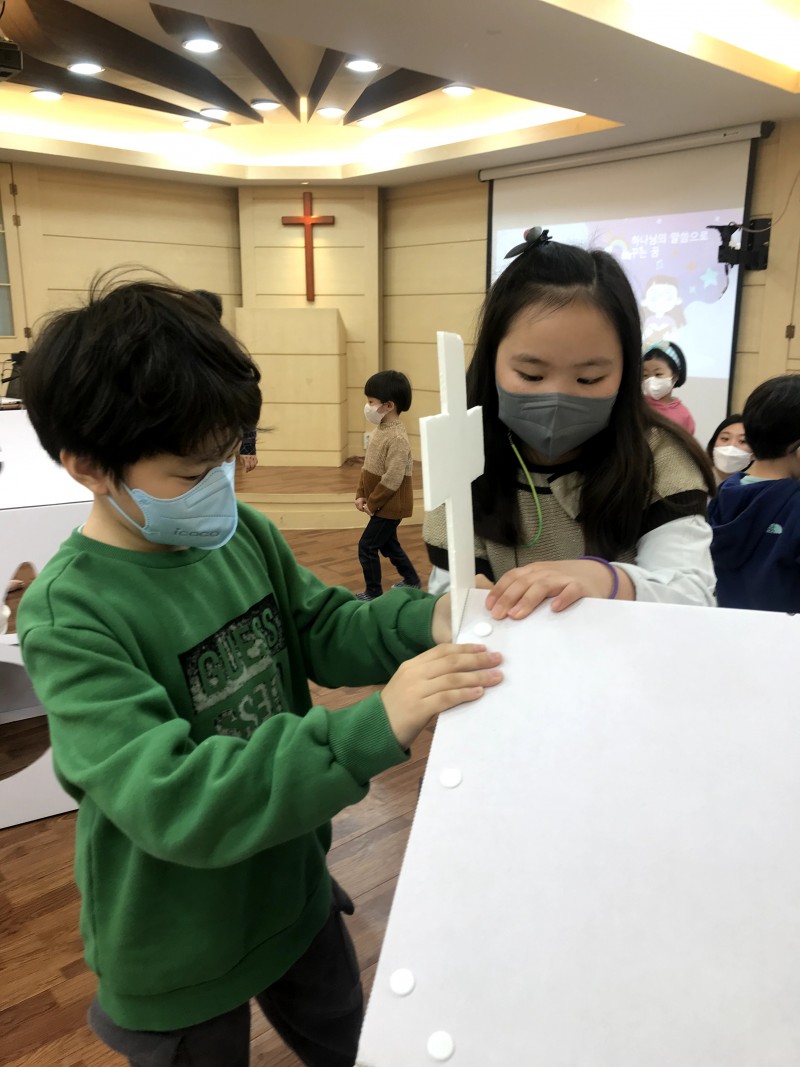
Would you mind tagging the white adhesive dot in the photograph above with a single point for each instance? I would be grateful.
(482, 629)
(402, 982)
(450, 777)
(441, 1046)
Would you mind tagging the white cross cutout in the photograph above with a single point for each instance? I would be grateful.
(452, 458)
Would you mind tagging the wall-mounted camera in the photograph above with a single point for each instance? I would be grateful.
(753, 251)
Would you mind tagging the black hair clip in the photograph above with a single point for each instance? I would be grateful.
(535, 237)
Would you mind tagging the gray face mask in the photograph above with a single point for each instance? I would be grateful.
(553, 424)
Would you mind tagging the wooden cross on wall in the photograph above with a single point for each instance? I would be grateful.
(307, 220)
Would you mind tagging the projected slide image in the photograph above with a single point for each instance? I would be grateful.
(684, 293)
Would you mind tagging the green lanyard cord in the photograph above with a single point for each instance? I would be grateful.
(533, 541)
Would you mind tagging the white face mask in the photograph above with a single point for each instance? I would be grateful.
(657, 387)
(373, 415)
(730, 460)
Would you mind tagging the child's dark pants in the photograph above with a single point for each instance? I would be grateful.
(380, 535)
(317, 1008)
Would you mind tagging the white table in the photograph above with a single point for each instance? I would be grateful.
(615, 879)
(40, 505)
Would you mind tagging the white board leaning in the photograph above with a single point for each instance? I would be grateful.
(452, 458)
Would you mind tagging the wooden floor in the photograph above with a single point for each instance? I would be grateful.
(44, 983)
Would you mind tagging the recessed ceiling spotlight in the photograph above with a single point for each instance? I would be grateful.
(45, 94)
(202, 45)
(458, 90)
(265, 105)
(363, 66)
(213, 112)
(330, 112)
(85, 68)
(196, 124)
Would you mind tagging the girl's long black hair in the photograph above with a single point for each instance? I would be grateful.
(617, 463)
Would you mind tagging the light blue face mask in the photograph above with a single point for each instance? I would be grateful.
(203, 517)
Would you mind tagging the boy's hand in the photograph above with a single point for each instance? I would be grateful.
(361, 502)
(436, 681)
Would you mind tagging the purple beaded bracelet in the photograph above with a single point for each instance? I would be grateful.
(611, 567)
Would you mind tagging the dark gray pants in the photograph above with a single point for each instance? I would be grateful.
(317, 1008)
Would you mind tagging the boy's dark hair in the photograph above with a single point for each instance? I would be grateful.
(214, 300)
(617, 464)
(144, 368)
(771, 417)
(672, 355)
(390, 385)
(729, 421)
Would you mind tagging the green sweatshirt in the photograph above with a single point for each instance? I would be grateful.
(181, 722)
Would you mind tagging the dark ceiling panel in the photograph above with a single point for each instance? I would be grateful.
(328, 66)
(41, 75)
(394, 89)
(246, 46)
(180, 23)
(58, 32)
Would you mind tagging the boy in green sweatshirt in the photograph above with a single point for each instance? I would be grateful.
(170, 640)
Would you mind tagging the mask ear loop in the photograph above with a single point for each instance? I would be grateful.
(533, 541)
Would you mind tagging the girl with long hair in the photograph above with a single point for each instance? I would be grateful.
(586, 491)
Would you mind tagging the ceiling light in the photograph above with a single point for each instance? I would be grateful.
(85, 68)
(265, 105)
(458, 90)
(213, 112)
(196, 124)
(46, 94)
(330, 112)
(363, 66)
(202, 45)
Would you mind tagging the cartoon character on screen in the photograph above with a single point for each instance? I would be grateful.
(664, 369)
(661, 309)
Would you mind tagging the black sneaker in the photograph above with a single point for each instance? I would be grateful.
(367, 596)
(405, 584)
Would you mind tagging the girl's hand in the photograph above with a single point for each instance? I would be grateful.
(521, 590)
(436, 681)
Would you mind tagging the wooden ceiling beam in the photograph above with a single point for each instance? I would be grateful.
(326, 71)
(41, 75)
(247, 47)
(395, 88)
(59, 32)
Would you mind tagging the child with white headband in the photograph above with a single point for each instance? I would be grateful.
(664, 369)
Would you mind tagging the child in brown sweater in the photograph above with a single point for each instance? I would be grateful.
(384, 488)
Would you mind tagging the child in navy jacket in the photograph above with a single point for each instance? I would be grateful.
(756, 515)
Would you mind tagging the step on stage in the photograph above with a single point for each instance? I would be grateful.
(312, 498)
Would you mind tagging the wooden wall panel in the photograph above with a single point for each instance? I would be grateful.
(770, 297)
(337, 271)
(416, 318)
(452, 268)
(434, 257)
(72, 265)
(432, 213)
(77, 223)
(83, 204)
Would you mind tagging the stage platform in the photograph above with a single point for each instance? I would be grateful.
(312, 498)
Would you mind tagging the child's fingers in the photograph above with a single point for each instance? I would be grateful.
(524, 594)
(569, 595)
